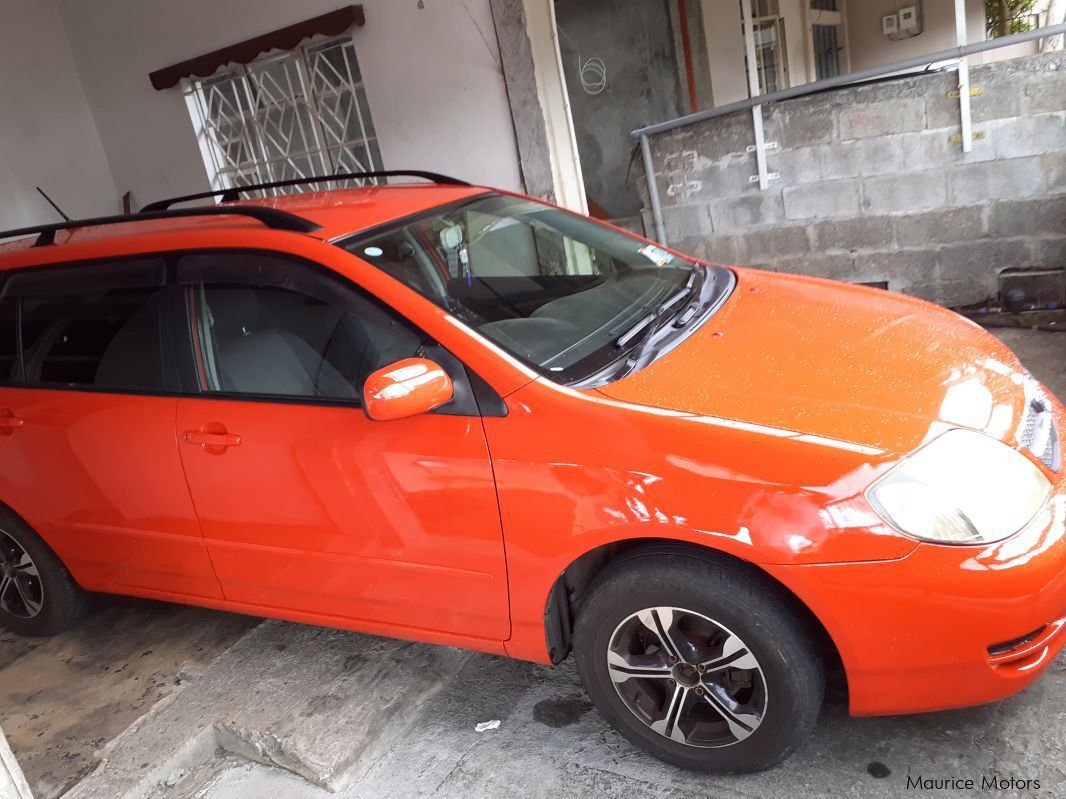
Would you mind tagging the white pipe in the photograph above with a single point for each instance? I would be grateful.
(753, 90)
(964, 77)
(749, 47)
(653, 191)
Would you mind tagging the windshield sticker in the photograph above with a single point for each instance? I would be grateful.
(657, 255)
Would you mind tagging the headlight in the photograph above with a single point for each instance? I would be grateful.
(961, 488)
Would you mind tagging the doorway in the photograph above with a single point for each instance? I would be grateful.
(621, 70)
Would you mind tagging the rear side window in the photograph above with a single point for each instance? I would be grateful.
(8, 341)
(93, 326)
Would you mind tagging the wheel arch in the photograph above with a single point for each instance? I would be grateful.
(572, 585)
(6, 509)
(10, 512)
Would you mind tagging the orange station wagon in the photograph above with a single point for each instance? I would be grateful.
(463, 416)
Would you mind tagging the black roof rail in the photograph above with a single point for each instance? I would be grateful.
(233, 194)
(271, 217)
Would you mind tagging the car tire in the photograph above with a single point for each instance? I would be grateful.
(38, 596)
(698, 711)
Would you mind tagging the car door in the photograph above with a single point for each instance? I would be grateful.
(306, 504)
(88, 454)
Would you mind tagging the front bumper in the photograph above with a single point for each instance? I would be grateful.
(946, 626)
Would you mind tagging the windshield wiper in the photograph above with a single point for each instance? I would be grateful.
(647, 324)
(634, 331)
(693, 288)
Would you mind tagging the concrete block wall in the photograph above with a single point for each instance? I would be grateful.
(872, 188)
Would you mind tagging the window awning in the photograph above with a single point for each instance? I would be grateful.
(332, 24)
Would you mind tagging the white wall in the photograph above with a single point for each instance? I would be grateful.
(47, 135)
(869, 48)
(796, 40)
(433, 80)
(723, 31)
(1006, 53)
(866, 45)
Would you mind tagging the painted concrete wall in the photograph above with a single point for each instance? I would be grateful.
(723, 26)
(796, 40)
(635, 41)
(47, 134)
(1006, 53)
(872, 188)
(432, 73)
(869, 47)
(723, 32)
(701, 67)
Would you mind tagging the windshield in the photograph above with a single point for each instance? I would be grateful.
(559, 291)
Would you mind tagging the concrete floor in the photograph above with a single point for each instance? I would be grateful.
(62, 698)
(174, 703)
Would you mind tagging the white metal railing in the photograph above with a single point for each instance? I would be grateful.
(756, 101)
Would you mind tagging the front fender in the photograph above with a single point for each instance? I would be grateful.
(576, 471)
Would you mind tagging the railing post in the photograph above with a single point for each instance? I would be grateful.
(753, 90)
(964, 77)
(653, 191)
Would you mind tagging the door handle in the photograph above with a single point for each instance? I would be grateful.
(212, 439)
(210, 436)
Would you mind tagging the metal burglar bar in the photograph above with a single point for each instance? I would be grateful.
(293, 115)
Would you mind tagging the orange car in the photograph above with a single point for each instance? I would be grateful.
(463, 416)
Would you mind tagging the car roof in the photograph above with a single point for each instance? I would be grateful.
(340, 212)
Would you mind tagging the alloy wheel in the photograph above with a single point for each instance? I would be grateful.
(687, 677)
(21, 589)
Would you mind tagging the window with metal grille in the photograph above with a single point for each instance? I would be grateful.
(293, 115)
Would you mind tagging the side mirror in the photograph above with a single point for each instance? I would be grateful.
(406, 388)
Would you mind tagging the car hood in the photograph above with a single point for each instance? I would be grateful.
(829, 359)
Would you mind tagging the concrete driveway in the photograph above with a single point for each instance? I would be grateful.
(167, 702)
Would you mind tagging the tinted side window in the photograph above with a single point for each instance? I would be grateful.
(91, 325)
(8, 340)
(289, 332)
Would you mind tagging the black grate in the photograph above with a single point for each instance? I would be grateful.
(1014, 643)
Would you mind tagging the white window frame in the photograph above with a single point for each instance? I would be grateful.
(780, 53)
(838, 19)
(770, 15)
(287, 115)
